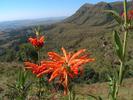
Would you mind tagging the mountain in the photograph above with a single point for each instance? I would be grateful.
(93, 14)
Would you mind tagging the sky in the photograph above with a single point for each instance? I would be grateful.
(33, 9)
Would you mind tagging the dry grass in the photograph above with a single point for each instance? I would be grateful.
(101, 89)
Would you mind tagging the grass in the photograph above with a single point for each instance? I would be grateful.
(8, 74)
(101, 89)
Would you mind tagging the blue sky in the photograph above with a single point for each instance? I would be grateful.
(32, 9)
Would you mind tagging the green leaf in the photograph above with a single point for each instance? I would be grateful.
(118, 45)
(116, 16)
(100, 98)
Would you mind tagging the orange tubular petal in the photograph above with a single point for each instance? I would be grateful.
(85, 56)
(69, 55)
(41, 68)
(52, 64)
(41, 39)
(74, 61)
(44, 72)
(74, 69)
(54, 56)
(31, 39)
(65, 54)
(83, 62)
(77, 54)
(33, 67)
(90, 59)
(47, 62)
(55, 74)
(79, 63)
(30, 65)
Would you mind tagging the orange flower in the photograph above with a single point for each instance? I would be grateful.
(39, 70)
(129, 14)
(37, 42)
(61, 67)
(69, 65)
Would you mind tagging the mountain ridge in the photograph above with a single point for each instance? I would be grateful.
(91, 14)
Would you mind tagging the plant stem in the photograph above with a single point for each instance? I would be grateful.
(125, 12)
(124, 44)
(126, 31)
(39, 80)
(122, 62)
(120, 73)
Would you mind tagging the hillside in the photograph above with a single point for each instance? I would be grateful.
(87, 28)
(90, 28)
(94, 34)
(90, 15)
(93, 15)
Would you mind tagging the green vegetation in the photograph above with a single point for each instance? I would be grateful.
(78, 31)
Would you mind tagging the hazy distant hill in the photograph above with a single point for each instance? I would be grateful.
(5, 26)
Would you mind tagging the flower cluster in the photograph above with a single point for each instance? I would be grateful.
(38, 42)
(129, 14)
(61, 67)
